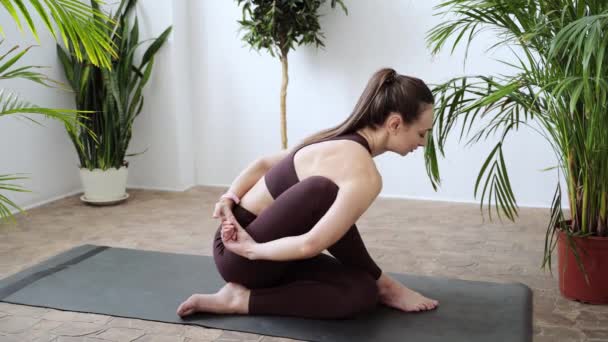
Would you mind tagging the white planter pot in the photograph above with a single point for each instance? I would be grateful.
(104, 185)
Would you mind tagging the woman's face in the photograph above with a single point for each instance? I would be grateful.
(406, 138)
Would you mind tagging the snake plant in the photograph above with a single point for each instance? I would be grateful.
(113, 97)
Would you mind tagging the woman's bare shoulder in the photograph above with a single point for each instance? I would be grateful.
(360, 166)
(345, 162)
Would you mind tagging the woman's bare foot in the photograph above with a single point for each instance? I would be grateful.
(408, 300)
(230, 299)
(396, 295)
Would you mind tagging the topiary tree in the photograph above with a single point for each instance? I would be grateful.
(278, 26)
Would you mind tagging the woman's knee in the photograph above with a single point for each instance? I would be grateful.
(322, 189)
(320, 185)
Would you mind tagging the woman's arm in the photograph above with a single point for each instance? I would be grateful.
(253, 172)
(248, 177)
(241, 185)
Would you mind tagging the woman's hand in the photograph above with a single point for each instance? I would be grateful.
(223, 210)
(237, 240)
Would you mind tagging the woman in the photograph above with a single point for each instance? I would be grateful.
(299, 203)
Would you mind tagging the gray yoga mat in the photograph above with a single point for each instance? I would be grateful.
(150, 285)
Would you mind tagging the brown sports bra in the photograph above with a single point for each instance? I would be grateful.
(283, 175)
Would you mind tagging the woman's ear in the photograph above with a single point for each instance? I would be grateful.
(394, 123)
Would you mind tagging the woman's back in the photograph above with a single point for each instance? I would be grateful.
(338, 159)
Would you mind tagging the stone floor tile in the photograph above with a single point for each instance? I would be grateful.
(560, 334)
(69, 316)
(235, 336)
(596, 334)
(148, 326)
(16, 324)
(76, 329)
(10, 338)
(278, 339)
(201, 333)
(23, 310)
(160, 338)
(118, 334)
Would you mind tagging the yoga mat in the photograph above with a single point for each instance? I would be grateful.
(150, 285)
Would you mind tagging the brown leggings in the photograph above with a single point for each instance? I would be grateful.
(320, 287)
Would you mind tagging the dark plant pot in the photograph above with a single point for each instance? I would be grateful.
(593, 253)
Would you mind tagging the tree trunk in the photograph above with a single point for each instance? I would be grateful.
(284, 101)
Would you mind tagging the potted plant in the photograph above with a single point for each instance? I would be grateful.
(558, 86)
(58, 17)
(278, 26)
(114, 99)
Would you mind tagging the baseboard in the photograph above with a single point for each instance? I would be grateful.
(417, 198)
(46, 201)
(448, 200)
(412, 198)
(78, 191)
(215, 185)
(159, 188)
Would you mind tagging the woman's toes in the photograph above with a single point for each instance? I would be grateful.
(181, 310)
(187, 307)
(184, 312)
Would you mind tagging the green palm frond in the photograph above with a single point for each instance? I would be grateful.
(499, 106)
(6, 205)
(11, 57)
(558, 86)
(69, 21)
(499, 191)
(12, 104)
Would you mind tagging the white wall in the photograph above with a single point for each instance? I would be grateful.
(239, 119)
(164, 126)
(212, 105)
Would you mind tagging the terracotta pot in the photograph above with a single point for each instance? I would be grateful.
(593, 252)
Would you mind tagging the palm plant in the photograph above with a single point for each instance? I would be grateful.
(113, 97)
(558, 87)
(12, 104)
(74, 22)
(277, 26)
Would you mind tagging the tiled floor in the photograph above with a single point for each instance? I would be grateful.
(420, 237)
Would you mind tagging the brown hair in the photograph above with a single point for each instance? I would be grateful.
(386, 92)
